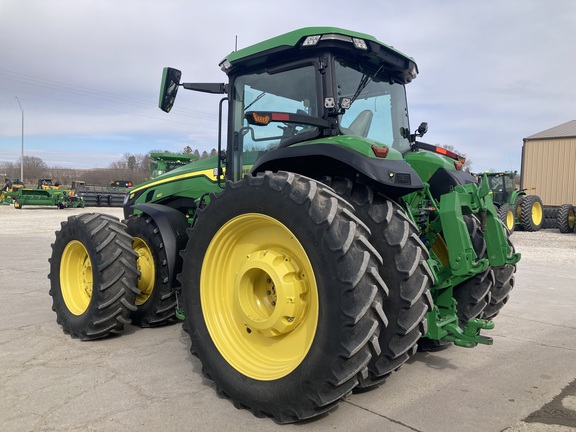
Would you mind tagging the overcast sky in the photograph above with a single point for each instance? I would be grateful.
(87, 72)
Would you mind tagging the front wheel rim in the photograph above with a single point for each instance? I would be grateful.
(76, 279)
(259, 296)
(510, 220)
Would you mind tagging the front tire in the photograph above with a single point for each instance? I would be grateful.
(506, 215)
(281, 293)
(93, 276)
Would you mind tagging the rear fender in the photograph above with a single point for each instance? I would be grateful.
(172, 225)
(393, 177)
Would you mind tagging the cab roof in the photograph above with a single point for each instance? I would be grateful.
(295, 43)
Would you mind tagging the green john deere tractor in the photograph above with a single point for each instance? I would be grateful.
(320, 247)
(515, 207)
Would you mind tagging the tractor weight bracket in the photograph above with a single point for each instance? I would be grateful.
(463, 258)
(499, 252)
(444, 326)
(470, 336)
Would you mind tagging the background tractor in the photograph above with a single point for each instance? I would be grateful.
(161, 163)
(47, 184)
(515, 207)
(314, 253)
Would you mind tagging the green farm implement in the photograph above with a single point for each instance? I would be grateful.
(320, 247)
(46, 197)
(102, 196)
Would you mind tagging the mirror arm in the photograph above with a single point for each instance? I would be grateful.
(217, 88)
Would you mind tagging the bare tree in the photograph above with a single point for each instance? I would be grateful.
(34, 169)
(131, 163)
(64, 176)
(10, 170)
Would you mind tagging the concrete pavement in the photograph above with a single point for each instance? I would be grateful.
(147, 380)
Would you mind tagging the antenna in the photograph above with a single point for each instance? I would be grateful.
(236, 44)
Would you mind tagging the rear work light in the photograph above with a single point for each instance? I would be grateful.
(357, 42)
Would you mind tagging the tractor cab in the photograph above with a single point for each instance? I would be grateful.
(339, 92)
(502, 186)
(12, 184)
(161, 163)
(47, 184)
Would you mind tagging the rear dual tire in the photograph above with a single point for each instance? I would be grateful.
(156, 303)
(404, 270)
(473, 295)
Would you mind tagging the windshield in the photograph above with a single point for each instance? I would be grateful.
(378, 110)
(292, 91)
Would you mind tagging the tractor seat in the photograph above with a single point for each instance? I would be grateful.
(361, 124)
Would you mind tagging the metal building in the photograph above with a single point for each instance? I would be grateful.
(549, 164)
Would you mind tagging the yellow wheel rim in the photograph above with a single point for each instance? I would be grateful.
(510, 220)
(571, 219)
(259, 297)
(76, 277)
(537, 213)
(145, 264)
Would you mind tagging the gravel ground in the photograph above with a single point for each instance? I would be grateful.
(547, 246)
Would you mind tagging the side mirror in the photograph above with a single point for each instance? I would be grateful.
(422, 129)
(169, 88)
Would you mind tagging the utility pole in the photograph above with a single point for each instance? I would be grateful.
(22, 149)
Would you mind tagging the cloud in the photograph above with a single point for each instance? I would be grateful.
(490, 74)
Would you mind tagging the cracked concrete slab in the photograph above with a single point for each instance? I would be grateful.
(147, 380)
